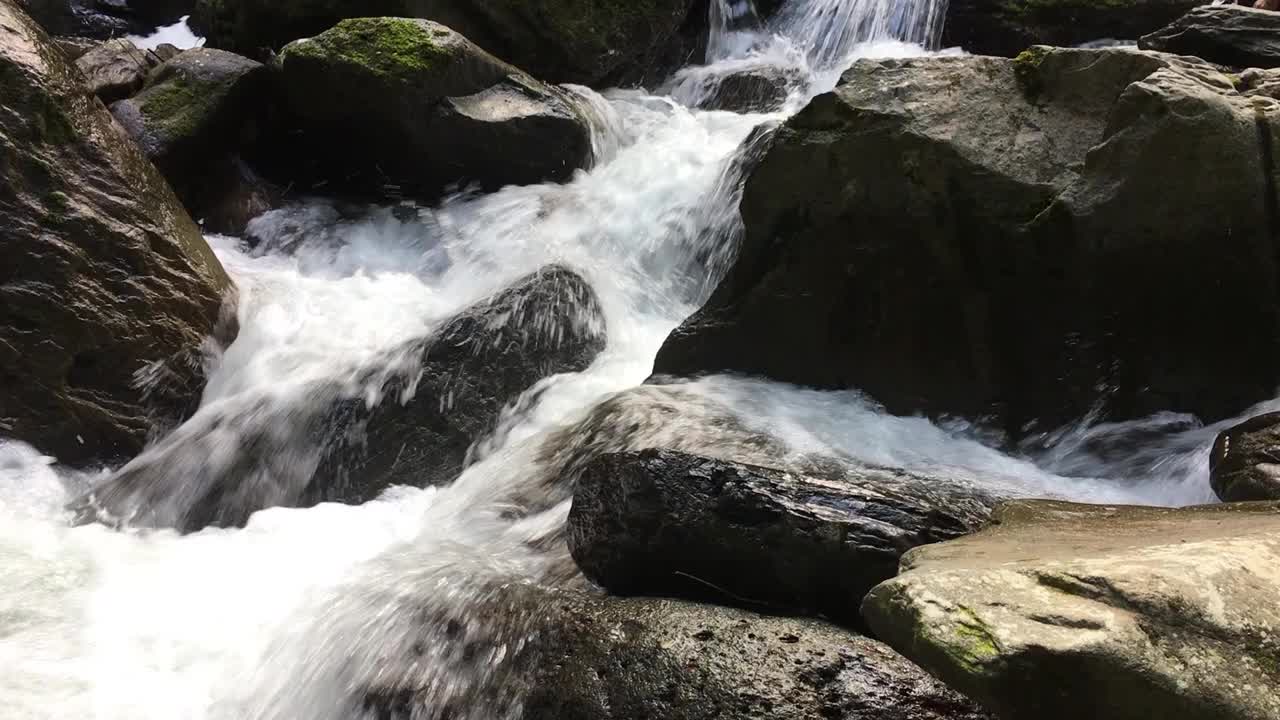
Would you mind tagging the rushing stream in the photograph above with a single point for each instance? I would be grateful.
(287, 617)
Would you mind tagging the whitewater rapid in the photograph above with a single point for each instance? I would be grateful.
(287, 617)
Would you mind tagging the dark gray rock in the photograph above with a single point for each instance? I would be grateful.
(1245, 462)
(193, 117)
(537, 655)
(436, 397)
(1226, 34)
(107, 289)
(397, 106)
(116, 69)
(1007, 27)
(1066, 193)
(658, 522)
(105, 19)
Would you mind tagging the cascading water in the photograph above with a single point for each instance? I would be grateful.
(293, 615)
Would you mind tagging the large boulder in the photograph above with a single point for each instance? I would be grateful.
(662, 522)
(1045, 243)
(410, 106)
(1007, 27)
(116, 69)
(1061, 612)
(193, 117)
(537, 655)
(107, 289)
(1245, 461)
(581, 41)
(407, 419)
(1226, 34)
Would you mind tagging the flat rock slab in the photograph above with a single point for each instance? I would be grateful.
(1061, 611)
(662, 522)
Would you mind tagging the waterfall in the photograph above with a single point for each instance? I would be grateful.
(293, 615)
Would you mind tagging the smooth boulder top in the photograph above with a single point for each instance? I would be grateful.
(1061, 611)
(108, 291)
(1231, 35)
(663, 522)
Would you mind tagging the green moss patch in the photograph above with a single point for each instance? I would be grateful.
(385, 47)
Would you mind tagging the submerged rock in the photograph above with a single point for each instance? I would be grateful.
(408, 419)
(1061, 612)
(107, 289)
(105, 19)
(116, 69)
(192, 118)
(661, 522)
(1226, 34)
(580, 41)
(538, 655)
(1007, 27)
(1077, 254)
(410, 107)
(1245, 461)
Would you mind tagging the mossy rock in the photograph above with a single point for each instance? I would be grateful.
(583, 41)
(412, 104)
(106, 281)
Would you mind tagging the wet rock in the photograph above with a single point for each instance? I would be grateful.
(579, 41)
(660, 522)
(1061, 612)
(192, 119)
(540, 655)
(107, 289)
(400, 106)
(1245, 461)
(1227, 34)
(408, 418)
(1077, 255)
(116, 69)
(1007, 27)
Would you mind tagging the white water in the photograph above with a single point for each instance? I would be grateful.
(178, 34)
(292, 615)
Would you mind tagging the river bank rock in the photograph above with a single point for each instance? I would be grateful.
(108, 291)
(540, 655)
(1007, 27)
(662, 522)
(116, 69)
(407, 419)
(1227, 34)
(578, 41)
(1076, 257)
(402, 106)
(1245, 461)
(1060, 612)
(196, 113)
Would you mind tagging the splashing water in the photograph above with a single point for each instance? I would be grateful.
(292, 615)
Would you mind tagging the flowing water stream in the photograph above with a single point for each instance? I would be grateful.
(287, 617)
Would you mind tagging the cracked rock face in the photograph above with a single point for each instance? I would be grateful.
(1077, 228)
(1062, 611)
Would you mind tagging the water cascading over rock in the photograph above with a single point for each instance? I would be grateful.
(432, 398)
